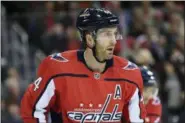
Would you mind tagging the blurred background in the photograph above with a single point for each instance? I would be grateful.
(153, 35)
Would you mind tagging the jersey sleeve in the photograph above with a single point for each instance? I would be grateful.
(134, 110)
(154, 111)
(39, 97)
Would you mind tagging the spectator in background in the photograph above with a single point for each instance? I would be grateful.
(172, 86)
(72, 37)
(158, 50)
(148, 12)
(169, 7)
(14, 113)
(49, 19)
(42, 20)
(73, 12)
(158, 21)
(12, 86)
(177, 59)
(143, 57)
(12, 94)
(11, 114)
(137, 25)
(54, 40)
(173, 33)
(58, 37)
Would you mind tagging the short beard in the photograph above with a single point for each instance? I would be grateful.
(95, 55)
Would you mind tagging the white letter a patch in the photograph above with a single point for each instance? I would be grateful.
(117, 92)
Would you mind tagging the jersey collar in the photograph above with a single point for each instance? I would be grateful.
(109, 63)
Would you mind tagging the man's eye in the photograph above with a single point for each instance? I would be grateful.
(108, 34)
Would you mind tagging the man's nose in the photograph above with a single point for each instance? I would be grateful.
(113, 40)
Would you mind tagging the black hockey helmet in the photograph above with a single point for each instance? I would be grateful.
(92, 19)
(148, 77)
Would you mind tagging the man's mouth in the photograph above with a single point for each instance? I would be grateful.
(110, 49)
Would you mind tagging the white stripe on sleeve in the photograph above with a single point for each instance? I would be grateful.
(134, 109)
(44, 101)
(157, 120)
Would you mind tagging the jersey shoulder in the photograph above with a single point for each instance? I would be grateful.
(67, 56)
(154, 106)
(155, 101)
(128, 69)
(57, 62)
(125, 64)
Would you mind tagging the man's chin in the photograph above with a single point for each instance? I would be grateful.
(110, 56)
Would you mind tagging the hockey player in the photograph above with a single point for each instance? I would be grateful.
(87, 86)
(151, 100)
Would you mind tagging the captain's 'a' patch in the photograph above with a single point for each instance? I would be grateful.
(117, 92)
(58, 57)
(130, 66)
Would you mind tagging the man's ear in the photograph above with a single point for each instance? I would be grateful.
(89, 40)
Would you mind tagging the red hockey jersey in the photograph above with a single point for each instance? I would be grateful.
(154, 110)
(67, 86)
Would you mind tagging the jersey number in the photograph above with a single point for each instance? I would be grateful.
(36, 83)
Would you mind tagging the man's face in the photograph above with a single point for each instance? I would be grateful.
(106, 41)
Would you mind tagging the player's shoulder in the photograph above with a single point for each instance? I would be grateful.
(154, 106)
(125, 64)
(127, 68)
(62, 57)
(56, 61)
(155, 101)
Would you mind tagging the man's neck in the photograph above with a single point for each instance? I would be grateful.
(92, 62)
